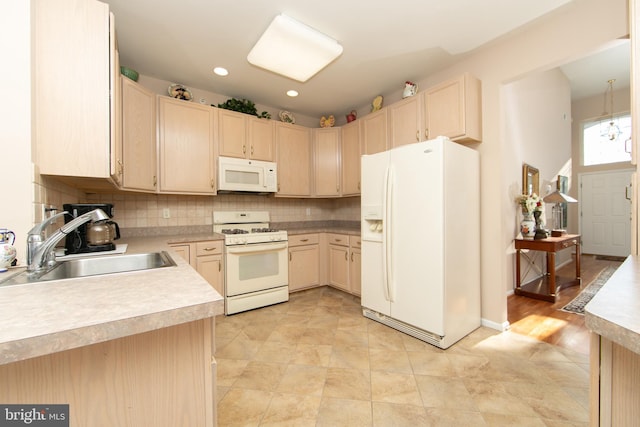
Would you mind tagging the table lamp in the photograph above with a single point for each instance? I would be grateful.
(557, 212)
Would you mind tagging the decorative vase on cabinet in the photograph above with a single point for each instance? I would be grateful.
(527, 225)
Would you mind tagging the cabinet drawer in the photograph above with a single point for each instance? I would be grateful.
(338, 239)
(209, 247)
(303, 239)
(355, 241)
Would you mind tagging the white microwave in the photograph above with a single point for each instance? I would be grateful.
(252, 176)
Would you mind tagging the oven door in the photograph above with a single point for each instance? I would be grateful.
(256, 267)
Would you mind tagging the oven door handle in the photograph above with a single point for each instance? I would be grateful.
(256, 248)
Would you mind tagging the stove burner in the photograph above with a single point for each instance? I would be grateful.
(263, 230)
(233, 231)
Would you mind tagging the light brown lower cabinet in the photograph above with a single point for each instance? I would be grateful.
(164, 378)
(304, 261)
(614, 379)
(344, 262)
(206, 257)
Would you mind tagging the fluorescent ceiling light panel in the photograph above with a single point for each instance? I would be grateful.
(293, 49)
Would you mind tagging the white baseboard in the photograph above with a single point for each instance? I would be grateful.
(504, 326)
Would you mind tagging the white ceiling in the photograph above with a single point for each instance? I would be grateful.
(385, 43)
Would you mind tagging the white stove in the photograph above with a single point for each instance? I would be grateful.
(256, 261)
(245, 228)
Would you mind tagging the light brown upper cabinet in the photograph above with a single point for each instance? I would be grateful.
(185, 147)
(293, 151)
(326, 162)
(374, 132)
(406, 123)
(350, 162)
(74, 62)
(454, 109)
(138, 164)
(243, 136)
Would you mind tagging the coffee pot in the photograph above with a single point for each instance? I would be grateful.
(7, 250)
(102, 233)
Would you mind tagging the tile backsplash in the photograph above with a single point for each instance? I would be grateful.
(139, 210)
(150, 210)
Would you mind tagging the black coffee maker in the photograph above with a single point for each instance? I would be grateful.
(76, 241)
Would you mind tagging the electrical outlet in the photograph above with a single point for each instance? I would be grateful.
(48, 211)
(166, 213)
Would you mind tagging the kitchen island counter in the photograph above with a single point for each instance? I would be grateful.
(42, 318)
(613, 316)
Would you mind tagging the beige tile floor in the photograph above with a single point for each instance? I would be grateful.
(316, 361)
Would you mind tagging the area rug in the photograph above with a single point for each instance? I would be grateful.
(578, 303)
(611, 258)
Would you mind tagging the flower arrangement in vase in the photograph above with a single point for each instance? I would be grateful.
(532, 206)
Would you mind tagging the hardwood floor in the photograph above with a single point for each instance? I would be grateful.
(545, 321)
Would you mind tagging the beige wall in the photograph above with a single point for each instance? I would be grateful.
(538, 123)
(15, 111)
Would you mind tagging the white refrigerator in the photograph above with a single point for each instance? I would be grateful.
(421, 240)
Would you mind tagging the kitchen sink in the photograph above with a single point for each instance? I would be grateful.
(93, 266)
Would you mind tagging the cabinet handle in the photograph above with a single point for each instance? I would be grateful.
(338, 240)
(418, 135)
(212, 184)
(209, 249)
(155, 180)
(219, 267)
(278, 187)
(426, 133)
(244, 149)
(346, 257)
(351, 256)
(304, 240)
(289, 256)
(252, 150)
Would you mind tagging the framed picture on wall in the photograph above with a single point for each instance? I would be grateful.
(563, 187)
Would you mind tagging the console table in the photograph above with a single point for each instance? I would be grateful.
(545, 287)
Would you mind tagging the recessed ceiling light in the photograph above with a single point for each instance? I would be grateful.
(293, 49)
(220, 71)
(292, 93)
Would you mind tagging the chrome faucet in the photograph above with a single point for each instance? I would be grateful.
(40, 252)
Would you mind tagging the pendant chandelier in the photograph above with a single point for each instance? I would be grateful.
(612, 131)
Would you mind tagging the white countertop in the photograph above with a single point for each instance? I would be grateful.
(42, 318)
(614, 312)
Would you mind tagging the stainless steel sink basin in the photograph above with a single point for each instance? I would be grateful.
(93, 266)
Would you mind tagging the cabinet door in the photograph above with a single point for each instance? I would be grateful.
(115, 82)
(304, 267)
(184, 251)
(211, 268)
(339, 267)
(350, 162)
(375, 134)
(138, 164)
(261, 136)
(72, 56)
(186, 147)
(354, 272)
(453, 109)
(232, 134)
(326, 156)
(406, 121)
(293, 144)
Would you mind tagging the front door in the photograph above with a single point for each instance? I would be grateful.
(605, 207)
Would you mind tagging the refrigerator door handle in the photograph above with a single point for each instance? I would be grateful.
(388, 223)
(385, 234)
